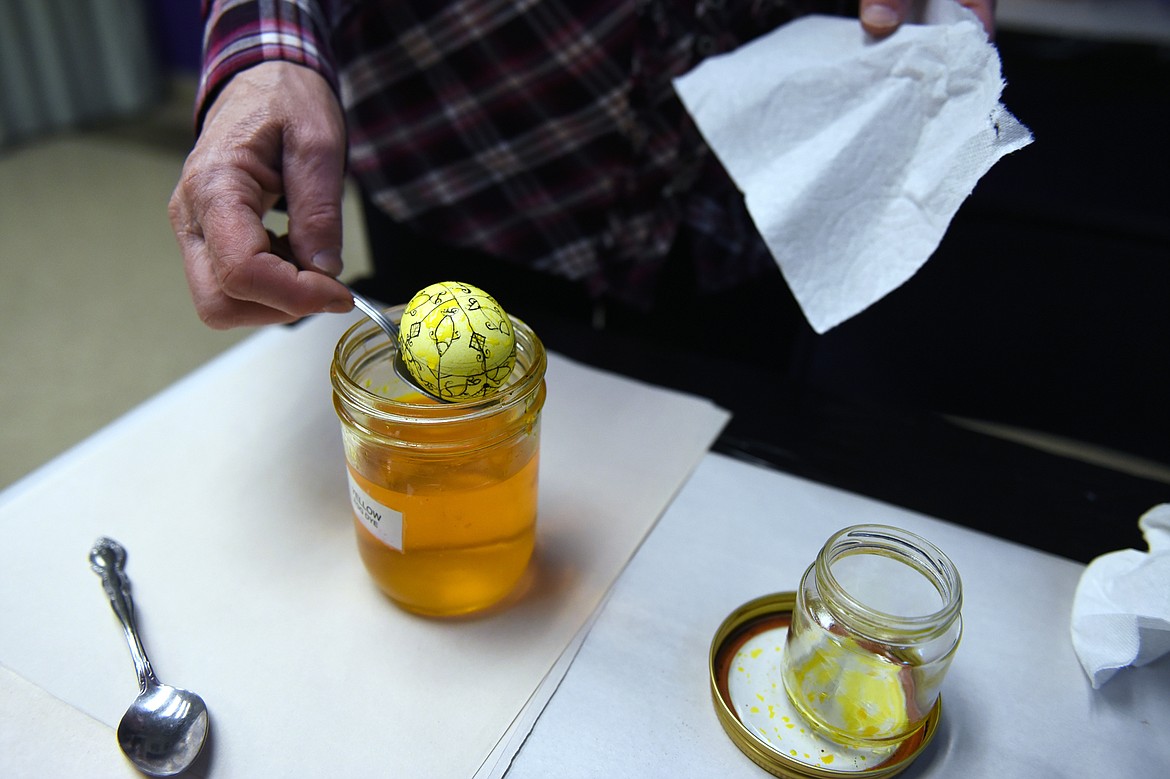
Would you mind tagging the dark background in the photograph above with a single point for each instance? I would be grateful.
(1047, 306)
(1048, 303)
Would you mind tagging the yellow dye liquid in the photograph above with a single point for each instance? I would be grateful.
(854, 694)
(465, 546)
(468, 522)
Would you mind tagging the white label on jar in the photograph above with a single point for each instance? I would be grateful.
(381, 520)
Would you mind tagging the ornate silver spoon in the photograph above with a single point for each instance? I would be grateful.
(164, 729)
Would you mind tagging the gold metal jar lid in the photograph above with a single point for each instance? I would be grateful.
(754, 710)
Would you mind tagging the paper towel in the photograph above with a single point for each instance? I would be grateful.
(1121, 609)
(854, 154)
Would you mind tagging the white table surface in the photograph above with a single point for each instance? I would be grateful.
(636, 702)
(228, 491)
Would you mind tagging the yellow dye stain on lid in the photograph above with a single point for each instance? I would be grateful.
(769, 728)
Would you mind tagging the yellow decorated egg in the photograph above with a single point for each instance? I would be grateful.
(456, 341)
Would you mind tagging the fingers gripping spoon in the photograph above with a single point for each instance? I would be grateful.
(164, 729)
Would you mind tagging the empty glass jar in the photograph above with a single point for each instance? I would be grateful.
(875, 626)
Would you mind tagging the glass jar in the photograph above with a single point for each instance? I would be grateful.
(444, 495)
(874, 629)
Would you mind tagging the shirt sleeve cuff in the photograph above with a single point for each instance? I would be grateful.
(238, 35)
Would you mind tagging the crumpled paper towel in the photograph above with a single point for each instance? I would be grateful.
(854, 154)
(1121, 609)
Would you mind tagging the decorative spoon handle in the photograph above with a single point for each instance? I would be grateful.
(108, 560)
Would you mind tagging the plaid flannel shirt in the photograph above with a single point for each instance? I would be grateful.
(545, 132)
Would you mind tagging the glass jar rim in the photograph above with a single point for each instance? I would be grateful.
(911, 549)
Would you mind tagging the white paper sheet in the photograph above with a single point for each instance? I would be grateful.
(42, 737)
(1015, 703)
(228, 492)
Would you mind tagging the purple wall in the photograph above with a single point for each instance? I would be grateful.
(177, 29)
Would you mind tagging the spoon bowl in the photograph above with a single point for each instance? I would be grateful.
(379, 318)
(164, 729)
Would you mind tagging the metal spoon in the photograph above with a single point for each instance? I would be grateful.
(391, 329)
(279, 245)
(164, 729)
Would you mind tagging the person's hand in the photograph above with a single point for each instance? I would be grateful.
(882, 17)
(275, 129)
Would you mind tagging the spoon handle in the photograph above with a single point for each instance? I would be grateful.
(108, 560)
(375, 313)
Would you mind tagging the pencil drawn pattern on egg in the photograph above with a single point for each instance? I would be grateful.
(457, 341)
